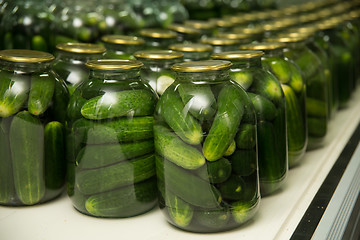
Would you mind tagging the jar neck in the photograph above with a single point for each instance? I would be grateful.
(77, 58)
(203, 77)
(115, 75)
(274, 53)
(123, 48)
(25, 67)
(246, 63)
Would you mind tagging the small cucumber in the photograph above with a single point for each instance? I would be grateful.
(76, 102)
(264, 108)
(215, 172)
(27, 149)
(315, 107)
(279, 67)
(171, 147)
(245, 79)
(231, 149)
(120, 104)
(243, 211)
(233, 188)
(39, 43)
(243, 162)
(212, 218)
(317, 127)
(92, 181)
(246, 136)
(60, 102)
(267, 86)
(41, 93)
(296, 82)
(180, 212)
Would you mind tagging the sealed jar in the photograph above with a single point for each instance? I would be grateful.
(158, 38)
(316, 86)
(206, 149)
(268, 99)
(185, 34)
(70, 62)
(193, 51)
(205, 27)
(221, 44)
(255, 32)
(221, 24)
(241, 37)
(111, 160)
(121, 46)
(33, 103)
(157, 67)
(201, 10)
(293, 86)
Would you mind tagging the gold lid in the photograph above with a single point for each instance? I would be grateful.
(258, 29)
(233, 35)
(191, 47)
(238, 19)
(308, 17)
(292, 10)
(263, 15)
(296, 34)
(311, 6)
(280, 23)
(158, 54)
(237, 55)
(199, 24)
(158, 33)
(249, 17)
(25, 56)
(85, 48)
(303, 29)
(201, 66)
(275, 13)
(262, 46)
(114, 64)
(222, 23)
(183, 29)
(354, 14)
(220, 41)
(324, 13)
(324, 25)
(122, 39)
(287, 39)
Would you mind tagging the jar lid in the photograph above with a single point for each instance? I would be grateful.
(275, 13)
(201, 66)
(233, 35)
(249, 30)
(280, 23)
(114, 64)
(198, 24)
(324, 25)
(308, 17)
(158, 33)
(238, 55)
(86, 48)
(263, 46)
(122, 39)
(220, 41)
(158, 54)
(25, 56)
(239, 19)
(296, 34)
(183, 29)
(250, 17)
(191, 47)
(303, 29)
(324, 13)
(287, 39)
(222, 23)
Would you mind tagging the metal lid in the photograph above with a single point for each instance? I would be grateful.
(25, 56)
(233, 35)
(324, 13)
(239, 19)
(114, 64)
(308, 17)
(303, 29)
(324, 25)
(250, 17)
(122, 39)
(183, 29)
(198, 24)
(158, 33)
(222, 23)
(85, 48)
(296, 34)
(237, 55)
(191, 47)
(275, 13)
(249, 30)
(201, 66)
(220, 41)
(262, 46)
(287, 39)
(280, 24)
(158, 54)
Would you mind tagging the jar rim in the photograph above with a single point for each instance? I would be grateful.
(201, 66)
(248, 30)
(191, 47)
(183, 29)
(199, 24)
(217, 41)
(84, 48)
(25, 56)
(158, 54)
(114, 64)
(233, 35)
(241, 54)
(123, 39)
(288, 39)
(263, 46)
(158, 33)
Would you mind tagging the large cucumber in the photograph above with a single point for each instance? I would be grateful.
(27, 149)
(173, 112)
(124, 202)
(279, 67)
(41, 93)
(215, 172)
(121, 129)
(180, 212)
(243, 162)
(95, 156)
(226, 122)
(119, 104)
(264, 108)
(76, 102)
(246, 136)
(55, 165)
(315, 107)
(317, 127)
(244, 78)
(297, 82)
(233, 188)
(267, 86)
(107, 178)
(60, 102)
(171, 147)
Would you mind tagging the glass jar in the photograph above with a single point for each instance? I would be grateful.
(33, 102)
(121, 46)
(185, 34)
(205, 27)
(255, 32)
(111, 165)
(206, 184)
(229, 7)
(316, 87)
(193, 51)
(221, 24)
(157, 67)
(241, 37)
(293, 86)
(221, 44)
(201, 10)
(158, 38)
(268, 99)
(70, 62)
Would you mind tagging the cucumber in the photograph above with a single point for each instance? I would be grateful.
(243, 211)
(233, 188)
(60, 102)
(279, 67)
(231, 149)
(171, 109)
(117, 130)
(120, 174)
(27, 152)
(245, 79)
(215, 172)
(14, 90)
(212, 218)
(171, 147)
(243, 162)
(39, 43)
(120, 104)
(96, 156)
(267, 86)
(264, 108)
(124, 202)
(198, 99)
(186, 185)
(246, 136)
(41, 94)
(226, 122)
(76, 102)
(55, 165)
(296, 82)
(163, 81)
(317, 127)
(315, 107)
(180, 212)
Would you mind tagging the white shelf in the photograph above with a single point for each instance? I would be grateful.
(277, 217)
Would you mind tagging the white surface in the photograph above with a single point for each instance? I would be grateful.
(277, 217)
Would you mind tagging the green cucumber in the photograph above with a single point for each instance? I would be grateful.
(264, 108)
(76, 102)
(243, 162)
(171, 147)
(231, 149)
(91, 181)
(14, 90)
(226, 122)
(242, 211)
(215, 172)
(117, 130)
(267, 86)
(233, 188)
(39, 43)
(120, 104)
(212, 218)
(296, 82)
(245, 79)
(198, 99)
(41, 94)
(96, 156)
(127, 201)
(180, 212)
(279, 67)
(317, 127)
(60, 102)
(315, 107)
(27, 149)
(55, 165)
(186, 185)
(246, 136)
(171, 109)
